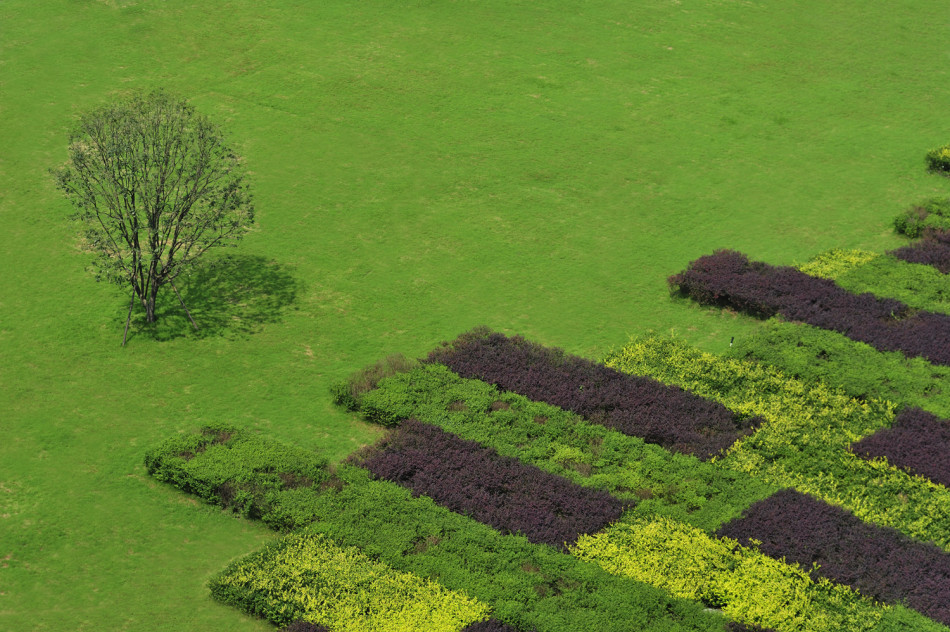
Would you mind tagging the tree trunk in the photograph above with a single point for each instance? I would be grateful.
(150, 303)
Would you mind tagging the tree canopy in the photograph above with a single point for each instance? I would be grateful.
(155, 186)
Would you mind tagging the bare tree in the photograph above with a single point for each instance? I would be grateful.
(155, 187)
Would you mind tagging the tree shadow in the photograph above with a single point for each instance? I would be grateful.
(229, 296)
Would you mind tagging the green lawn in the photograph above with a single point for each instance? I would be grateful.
(419, 168)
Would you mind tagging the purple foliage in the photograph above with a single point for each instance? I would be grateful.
(877, 561)
(728, 278)
(932, 251)
(918, 441)
(500, 491)
(634, 405)
(491, 625)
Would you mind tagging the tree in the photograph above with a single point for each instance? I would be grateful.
(155, 187)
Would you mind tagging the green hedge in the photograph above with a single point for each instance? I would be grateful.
(747, 585)
(814, 354)
(308, 576)
(919, 286)
(563, 443)
(929, 215)
(255, 476)
(805, 442)
(526, 585)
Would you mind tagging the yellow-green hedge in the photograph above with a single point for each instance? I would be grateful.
(834, 263)
(747, 585)
(805, 442)
(307, 576)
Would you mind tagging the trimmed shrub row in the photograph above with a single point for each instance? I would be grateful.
(526, 585)
(490, 625)
(918, 441)
(933, 251)
(252, 475)
(926, 218)
(879, 562)
(496, 490)
(814, 354)
(653, 479)
(307, 576)
(805, 442)
(636, 406)
(918, 286)
(727, 278)
(938, 160)
(746, 584)
(836, 262)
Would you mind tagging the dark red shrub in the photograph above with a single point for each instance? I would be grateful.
(918, 441)
(634, 405)
(500, 491)
(728, 278)
(879, 562)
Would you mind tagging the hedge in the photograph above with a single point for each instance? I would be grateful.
(879, 562)
(496, 490)
(234, 468)
(636, 406)
(805, 442)
(308, 576)
(727, 278)
(745, 583)
(918, 286)
(653, 479)
(811, 354)
(918, 442)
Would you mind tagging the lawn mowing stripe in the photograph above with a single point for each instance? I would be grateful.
(728, 278)
(918, 441)
(805, 442)
(641, 407)
(497, 490)
(877, 561)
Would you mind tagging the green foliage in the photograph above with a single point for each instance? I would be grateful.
(747, 585)
(348, 393)
(527, 585)
(938, 160)
(563, 443)
(805, 442)
(919, 286)
(835, 262)
(814, 354)
(255, 476)
(308, 576)
(931, 214)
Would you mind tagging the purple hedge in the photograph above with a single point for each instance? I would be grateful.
(933, 250)
(500, 491)
(727, 278)
(918, 441)
(634, 405)
(879, 562)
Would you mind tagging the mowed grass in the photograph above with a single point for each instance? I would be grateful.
(420, 168)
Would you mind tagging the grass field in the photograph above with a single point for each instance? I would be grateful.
(419, 168)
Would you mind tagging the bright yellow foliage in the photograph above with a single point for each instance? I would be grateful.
(308, 576)
(805, 442)
(834, 263)
(747, 585)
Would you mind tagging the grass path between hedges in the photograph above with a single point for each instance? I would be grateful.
(419, 169)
